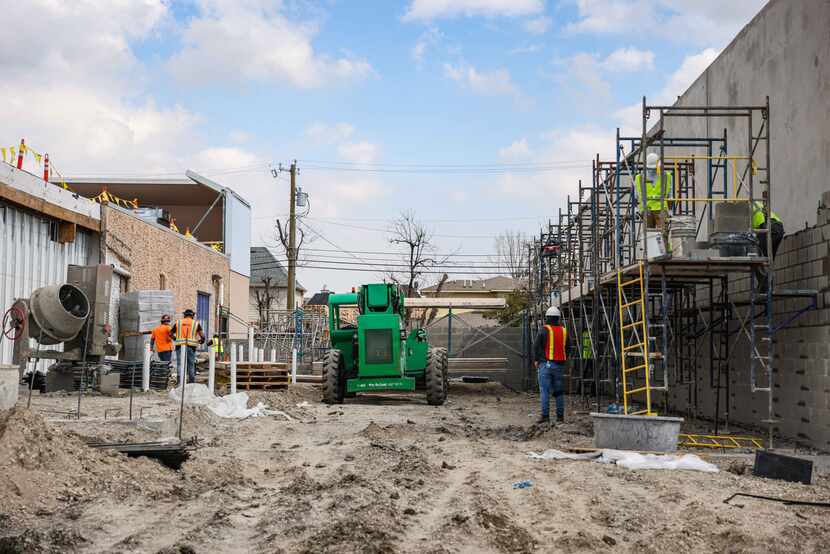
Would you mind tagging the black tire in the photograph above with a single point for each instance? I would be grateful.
(333, 378)
(436, 376)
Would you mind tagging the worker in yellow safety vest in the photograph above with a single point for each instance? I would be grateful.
(587, 356)
(549, 357)
(759, 225)
(188, 332)
(655, 203)
(217, 347)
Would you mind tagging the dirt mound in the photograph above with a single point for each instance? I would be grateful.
(46, 466)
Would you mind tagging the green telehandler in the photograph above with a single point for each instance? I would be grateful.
(377, 354)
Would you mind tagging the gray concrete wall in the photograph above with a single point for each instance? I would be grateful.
(784, 53)
(801, 397)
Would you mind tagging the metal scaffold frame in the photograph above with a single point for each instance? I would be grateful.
(668, 312)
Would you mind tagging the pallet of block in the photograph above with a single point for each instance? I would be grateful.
(255, 375)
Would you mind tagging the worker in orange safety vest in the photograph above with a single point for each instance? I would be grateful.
(188, 332)
(549, 357)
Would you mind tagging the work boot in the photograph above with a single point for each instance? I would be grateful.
(543, 419)
(560, 419)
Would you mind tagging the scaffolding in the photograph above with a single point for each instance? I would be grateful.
(655, 321)
(287, 330)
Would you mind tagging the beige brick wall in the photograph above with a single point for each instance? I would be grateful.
(147, 251)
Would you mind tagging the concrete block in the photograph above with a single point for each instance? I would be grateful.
(645, 433)
(9, 386)
(732, 217)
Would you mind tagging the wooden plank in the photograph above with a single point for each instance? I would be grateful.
(40, 205)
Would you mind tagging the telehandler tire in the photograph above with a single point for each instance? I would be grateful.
(334, 383)
(436, 376)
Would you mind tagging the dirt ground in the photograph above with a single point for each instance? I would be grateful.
(379, 474)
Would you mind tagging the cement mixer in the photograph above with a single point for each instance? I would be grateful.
(74, 314)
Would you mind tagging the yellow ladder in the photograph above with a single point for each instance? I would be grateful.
(634, 340)
(719, 441)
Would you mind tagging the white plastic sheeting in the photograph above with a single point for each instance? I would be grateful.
(234, 406)
(631, 460)
(30, 259)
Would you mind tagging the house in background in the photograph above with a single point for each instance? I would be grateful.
(269, 285)
(494, 287)
(318, 303)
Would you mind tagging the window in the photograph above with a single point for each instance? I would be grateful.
(378, 346)
(162, 281)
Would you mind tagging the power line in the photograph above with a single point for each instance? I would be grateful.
(309, 249)
(349, 269)
(386, 231)
(262, 265)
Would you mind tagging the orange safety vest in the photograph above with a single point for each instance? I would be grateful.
(186, 332)
(555, 344)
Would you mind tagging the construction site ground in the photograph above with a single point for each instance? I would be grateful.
(381, 473)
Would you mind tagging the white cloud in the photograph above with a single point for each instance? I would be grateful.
(713, 21)
(689, 70)
(362, 152)
(486, 83)
(322, 133)
(425, 10)
(247, 41)
(539, 25)
(239, 137)
(517, 150)
(81, 96)
(223, 158)
(630, 117)
(569, 152)
(427, 40)
(587, 70)
(628, 60)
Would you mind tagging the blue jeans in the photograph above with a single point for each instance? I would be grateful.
(552, 376)
(166, 356)
(191, 364)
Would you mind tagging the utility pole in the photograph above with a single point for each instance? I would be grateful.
(292, 237)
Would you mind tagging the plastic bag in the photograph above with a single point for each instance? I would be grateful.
(231, 406)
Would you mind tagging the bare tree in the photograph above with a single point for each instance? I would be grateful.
(416, 239)
(511, 254)
(264, 302)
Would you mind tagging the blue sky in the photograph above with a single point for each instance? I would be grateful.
(532, 89)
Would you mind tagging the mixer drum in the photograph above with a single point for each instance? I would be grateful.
(57, 313)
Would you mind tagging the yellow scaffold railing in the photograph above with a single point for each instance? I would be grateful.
(634, 341)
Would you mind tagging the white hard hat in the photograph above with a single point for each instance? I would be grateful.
(651, 160)
(553, 311)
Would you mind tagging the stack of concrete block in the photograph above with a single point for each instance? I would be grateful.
(139, 312)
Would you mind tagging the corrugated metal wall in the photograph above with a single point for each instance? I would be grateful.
(29, 258)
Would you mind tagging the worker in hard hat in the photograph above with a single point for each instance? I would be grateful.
(160, 340)
(654, 203)
(759, 225)
(549, 357)
(188, 332)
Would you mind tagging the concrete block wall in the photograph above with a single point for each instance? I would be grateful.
(801, 397)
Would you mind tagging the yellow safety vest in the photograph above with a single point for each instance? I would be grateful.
(186, 332)
(587, 346)
(653, 192)
(759, 218)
